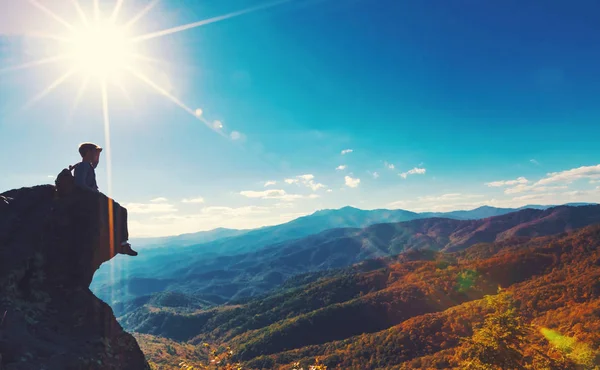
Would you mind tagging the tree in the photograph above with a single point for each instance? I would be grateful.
(497, 344)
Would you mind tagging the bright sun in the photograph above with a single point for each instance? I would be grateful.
(101, 50)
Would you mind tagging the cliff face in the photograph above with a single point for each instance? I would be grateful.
(49, 251)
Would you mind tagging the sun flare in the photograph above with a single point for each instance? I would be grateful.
(100, 50)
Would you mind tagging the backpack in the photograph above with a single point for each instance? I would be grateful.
(65, 182)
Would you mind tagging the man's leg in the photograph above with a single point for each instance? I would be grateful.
(122, 230)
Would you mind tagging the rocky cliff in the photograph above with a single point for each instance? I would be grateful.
(49, 251)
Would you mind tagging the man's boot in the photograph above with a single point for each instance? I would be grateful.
(126, 249)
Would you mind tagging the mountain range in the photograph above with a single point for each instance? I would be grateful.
(418, 309)
(181, 252)
(223, 279)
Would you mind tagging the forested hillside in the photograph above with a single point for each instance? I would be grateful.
(419, 309)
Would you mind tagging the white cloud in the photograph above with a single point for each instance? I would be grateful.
(329, 191)
(536, 197)
(547, 195)
(147, 208)
(534, 162)
(414, 171)
(271, 194)
(390, 165)
(270, 183)
(307, 177)
(521, 184)
(306, 180)
(159, 200)
(341, 167)
(283, 205)
(314, 196)
(193, 200)
(534, 187)
(520, 180)
(584, 172)
(217, 125)
(229, 211)
(441, 203)
(351, 182)
(346, 151)
(448, 197)
(198, 112)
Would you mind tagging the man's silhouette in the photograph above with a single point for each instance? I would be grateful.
(85, 177)
(85, 174)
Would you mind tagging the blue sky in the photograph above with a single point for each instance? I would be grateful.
(474, 102)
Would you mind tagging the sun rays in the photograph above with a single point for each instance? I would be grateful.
(102, 49)
(207, 21)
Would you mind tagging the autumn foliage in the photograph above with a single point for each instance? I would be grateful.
(427, 309)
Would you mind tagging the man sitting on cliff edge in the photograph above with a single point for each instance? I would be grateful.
(85, 177)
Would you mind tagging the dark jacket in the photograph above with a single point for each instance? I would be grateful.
(85, 176)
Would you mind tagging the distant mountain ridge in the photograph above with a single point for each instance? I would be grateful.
(184, 240)
(331, 219)
(249, 274)
(163, 255)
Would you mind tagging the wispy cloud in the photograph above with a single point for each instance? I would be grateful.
(441, 203)
(341, 167)
(279, 194)
(520, 180)
(351, 182)
(389, 165)
(534, 162)
(414, 171)
(449, 196)
(569, 176)
(147, 208)
(229, 211)
(196, 200)
(209, 218)
(270, 183)
(551, 182)
(159, 200)
(374, 174)
(347, 151)
(521, 188)
(532, 197)
(329, 191)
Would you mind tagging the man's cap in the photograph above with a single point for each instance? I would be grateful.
(86, 147)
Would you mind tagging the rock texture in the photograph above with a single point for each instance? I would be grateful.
(49, 251)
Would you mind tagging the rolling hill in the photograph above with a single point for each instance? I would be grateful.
(411, 310)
